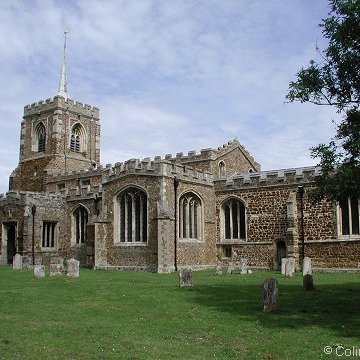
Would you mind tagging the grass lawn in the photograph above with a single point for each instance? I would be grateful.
(129, 315)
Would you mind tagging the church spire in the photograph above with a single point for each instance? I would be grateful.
(62, 90)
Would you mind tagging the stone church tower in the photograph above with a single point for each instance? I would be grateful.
(58, 135)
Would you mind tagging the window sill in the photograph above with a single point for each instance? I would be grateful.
(47, 249)
(232, 242)
(196, 241)
(131, 244)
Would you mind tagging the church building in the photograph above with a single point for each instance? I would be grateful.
(196, 210)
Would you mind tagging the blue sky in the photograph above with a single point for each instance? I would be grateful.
(168, 76)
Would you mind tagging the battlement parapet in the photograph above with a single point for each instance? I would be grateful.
(87, 191)
(58, 102)
(210, 154)
(27, 197)
(155, 167)
(272, 177)
(85, 173)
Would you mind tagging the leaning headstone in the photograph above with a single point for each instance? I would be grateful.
(307, 266)
(39, 271)
(283, 265)
(73, 268)
(308, 283)
(185, 278)
(17, 262)
(56, 269)
(218, 270)
(290, 267)
(270, 295)
(243, 266)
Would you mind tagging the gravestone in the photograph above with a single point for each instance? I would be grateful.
(39, 271)
(308, 283)
(218, 270)
(307, 266)
(56, 269)
(17, 262)
(230, 268)
(283, 265)
(243, 266)
(270, 295)
(290, 267)
(73, 268)
(185, 278)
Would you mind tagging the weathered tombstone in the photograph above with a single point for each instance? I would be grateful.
(307, 266)
(308, 283)
(249, 271)
(17, 262)
(73, 268)
(230, 268)
(243, 266)
(270, 295)
(39, 271)
(283, 265)
(185, 278)
(290, 267)
(218, 270)
(56, 269)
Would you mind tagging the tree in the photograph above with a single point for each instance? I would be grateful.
(335, 81)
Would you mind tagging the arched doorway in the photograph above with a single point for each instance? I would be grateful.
(280, 253)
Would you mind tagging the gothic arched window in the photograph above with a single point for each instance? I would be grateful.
(80, 220)
(77, 138)
(132, 204)
(190, 216)
(233, 220)
(349, 217)
(40, 137)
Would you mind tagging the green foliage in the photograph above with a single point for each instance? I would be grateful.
(336, 82)
(129, 315)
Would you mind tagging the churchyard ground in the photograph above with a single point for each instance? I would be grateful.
(134, 315)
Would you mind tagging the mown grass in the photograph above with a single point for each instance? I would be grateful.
(127, 315)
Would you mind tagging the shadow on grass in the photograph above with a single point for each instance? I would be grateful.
(332, 306)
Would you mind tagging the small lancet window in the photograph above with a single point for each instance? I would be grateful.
(222, 169)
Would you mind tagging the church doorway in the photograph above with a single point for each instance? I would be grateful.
(9, 231)
(280, 253)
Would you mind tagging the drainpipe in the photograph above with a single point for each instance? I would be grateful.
(301, 193)
(33, 211)
(176, 184)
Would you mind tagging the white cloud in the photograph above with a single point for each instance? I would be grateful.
(168, 76)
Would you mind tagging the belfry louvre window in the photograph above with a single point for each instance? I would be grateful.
(40, 135)
(349, 216)
(233, 220)
(133, 216)
(80, 222)
(48, 234)
(190, 216)
(77, 138)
